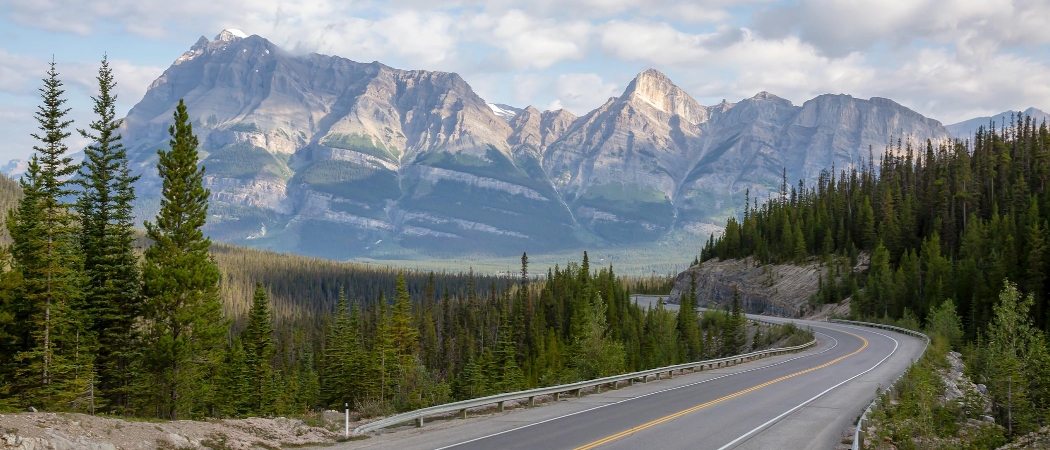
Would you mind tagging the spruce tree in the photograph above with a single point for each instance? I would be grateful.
(185, 324)
(53, 367)
(257, 339)
(107, 243)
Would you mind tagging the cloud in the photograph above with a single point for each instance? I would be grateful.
(20, 79)
(950, 59)
(838, 28)
(528, 42)
(17, 73)
(579, 93)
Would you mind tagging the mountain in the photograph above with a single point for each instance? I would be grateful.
(14, 168)
(654, 160)
(967, 128)
(324, 156)
(505, 112)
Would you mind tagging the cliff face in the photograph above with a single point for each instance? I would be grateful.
(325, 156)
(774, 289)
(779, 290)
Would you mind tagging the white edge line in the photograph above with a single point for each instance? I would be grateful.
(643, 395)
(896, 344)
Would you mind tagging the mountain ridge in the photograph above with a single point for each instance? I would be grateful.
(325, 156)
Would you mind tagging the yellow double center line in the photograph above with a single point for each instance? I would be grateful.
(719, 400)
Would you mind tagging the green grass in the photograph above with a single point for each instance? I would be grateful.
(346, 179)
(360, 143)
(630, 203)
(245, 162)
(494, 165)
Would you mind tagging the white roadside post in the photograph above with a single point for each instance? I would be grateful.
(347, 419)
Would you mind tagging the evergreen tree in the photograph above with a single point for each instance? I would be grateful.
(184, 320)
(106, 241)
(594, 355)
(345, 377)
(234, 396)
(53, 367)
(734, 339)
(257, 339)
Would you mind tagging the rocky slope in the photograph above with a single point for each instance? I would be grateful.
(69, 431)
(325, 156)
(774, 289)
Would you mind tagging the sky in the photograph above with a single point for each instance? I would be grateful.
(947, 59)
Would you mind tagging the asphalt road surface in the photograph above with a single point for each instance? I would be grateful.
(797, 401)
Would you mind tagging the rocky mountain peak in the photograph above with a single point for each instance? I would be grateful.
(326, 156)
(653, 88)
(230, 35)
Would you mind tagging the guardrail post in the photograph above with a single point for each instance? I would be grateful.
(463, 413)
(598, 389)
(579, 393)
(500, 406)
(557, 396)
(616, 385)
(419, 422)
(630, 382)
(645, 379)
(532, 400)
(670, 374)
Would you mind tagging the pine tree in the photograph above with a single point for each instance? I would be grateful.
(257, 339)
(106, 241)
(234, 395)
(345, 379)
(734, 340)
(53, 365)
(595, 355)
(185, 324)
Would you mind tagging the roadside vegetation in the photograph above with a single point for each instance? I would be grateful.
(952, 226)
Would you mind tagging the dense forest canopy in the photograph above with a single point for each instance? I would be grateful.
(942, 221)
(956, 234)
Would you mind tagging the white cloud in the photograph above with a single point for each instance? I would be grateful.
(20, 77)
(838, 28)
(579, 93)
(528, 42)
(951, 59)
(17, 72)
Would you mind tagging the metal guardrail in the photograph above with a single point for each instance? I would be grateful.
(575, 388)
(863, 422)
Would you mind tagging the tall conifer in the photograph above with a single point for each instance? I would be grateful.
(107, 242)
(185, 324)
(52, 369)
(257, 339)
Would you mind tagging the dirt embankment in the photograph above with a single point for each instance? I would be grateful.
(68, 431)
(774, 289)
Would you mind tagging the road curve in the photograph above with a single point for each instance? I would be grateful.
(795, 401)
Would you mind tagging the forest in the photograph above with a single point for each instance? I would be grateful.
(97, 316)
(958, 226)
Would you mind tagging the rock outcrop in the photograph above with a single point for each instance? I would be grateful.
(774, 289)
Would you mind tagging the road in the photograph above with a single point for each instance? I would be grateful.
(798, 401)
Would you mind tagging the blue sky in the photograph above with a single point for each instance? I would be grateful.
(947, 59)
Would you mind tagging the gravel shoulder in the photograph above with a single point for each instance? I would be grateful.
(61, 431)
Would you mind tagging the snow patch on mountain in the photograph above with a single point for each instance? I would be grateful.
(505, 112)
